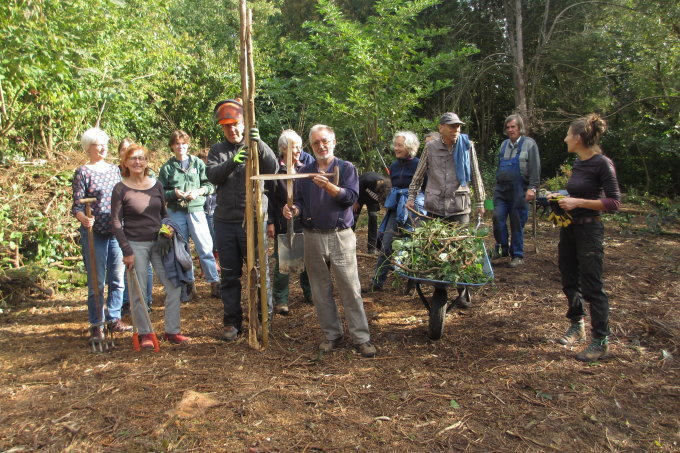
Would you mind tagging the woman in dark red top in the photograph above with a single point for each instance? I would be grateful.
(592, 188)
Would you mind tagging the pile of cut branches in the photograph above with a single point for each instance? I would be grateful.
(444, 251)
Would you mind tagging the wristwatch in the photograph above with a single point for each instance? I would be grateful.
(533, 190)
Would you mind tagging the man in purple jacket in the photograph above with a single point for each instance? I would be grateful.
(326, 213)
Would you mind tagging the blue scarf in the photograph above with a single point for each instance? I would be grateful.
(461, 159)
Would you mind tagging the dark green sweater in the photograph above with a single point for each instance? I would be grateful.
(173, 177)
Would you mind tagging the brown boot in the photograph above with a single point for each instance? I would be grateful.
(215, 290)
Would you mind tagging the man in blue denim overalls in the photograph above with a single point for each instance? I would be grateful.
(517, 178)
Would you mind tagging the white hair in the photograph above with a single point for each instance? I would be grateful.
(93, 135)
(411, 142)
(286, 137)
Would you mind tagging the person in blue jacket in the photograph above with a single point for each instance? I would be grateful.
(397, 218)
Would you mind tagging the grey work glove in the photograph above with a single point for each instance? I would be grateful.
(162, 245)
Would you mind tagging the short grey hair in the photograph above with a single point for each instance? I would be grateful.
(411, 142)
(286, 137)
(318, 127)
(517, 118)
(93, 135)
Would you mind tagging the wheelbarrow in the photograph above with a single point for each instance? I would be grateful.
(438, 305)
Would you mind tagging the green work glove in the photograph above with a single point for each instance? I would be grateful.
(254, 133)
(241, 156)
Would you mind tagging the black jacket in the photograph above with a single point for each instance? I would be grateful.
(229, 178)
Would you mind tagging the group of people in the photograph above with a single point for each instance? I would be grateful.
(440, 184)
(130, 207)
(136, 214)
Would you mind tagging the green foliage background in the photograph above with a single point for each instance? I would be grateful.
(366, 67)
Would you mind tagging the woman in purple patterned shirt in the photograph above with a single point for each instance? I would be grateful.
(96, 179)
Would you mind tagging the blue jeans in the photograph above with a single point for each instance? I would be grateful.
(195, 225)
(109, 270)
(211, 227)
(231, 248)
(509, 201)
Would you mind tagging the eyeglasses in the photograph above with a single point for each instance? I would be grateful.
(324, 141)
(138, 158)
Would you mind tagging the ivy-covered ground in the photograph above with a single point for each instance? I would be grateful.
(495, 382)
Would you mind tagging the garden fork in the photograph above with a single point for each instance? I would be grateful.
(102, 338)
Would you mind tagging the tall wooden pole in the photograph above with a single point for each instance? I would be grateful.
(259, 191)
(253, 189)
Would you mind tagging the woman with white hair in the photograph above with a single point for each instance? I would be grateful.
(95, 180)
(405, 144)
(277, 224)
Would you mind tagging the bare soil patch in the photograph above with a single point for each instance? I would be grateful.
(495, 382)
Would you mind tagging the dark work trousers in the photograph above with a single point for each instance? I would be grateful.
(232, 251)
(509, 200)
(580, 259)
(373, 209)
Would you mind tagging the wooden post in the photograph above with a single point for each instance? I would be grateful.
(259, 186)
(253, 188)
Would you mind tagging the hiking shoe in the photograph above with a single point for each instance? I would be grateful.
(96, 333)
(597, 349)
(215, 290)
(366, 349)
(576, 333)
(177, 338)
(372, 289)
(119, 326)
(516, 261)
(145, 341)
(327, 346)
(464, 300)
(230, 333)
(282, 310)
(497, 254)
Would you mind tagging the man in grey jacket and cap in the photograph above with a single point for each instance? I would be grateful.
(450, 164)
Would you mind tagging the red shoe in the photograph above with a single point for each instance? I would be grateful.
(177, 338)
(145, 341)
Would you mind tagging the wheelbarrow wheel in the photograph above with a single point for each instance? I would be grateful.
(437, 313)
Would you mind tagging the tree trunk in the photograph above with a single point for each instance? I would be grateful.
(513, 10)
